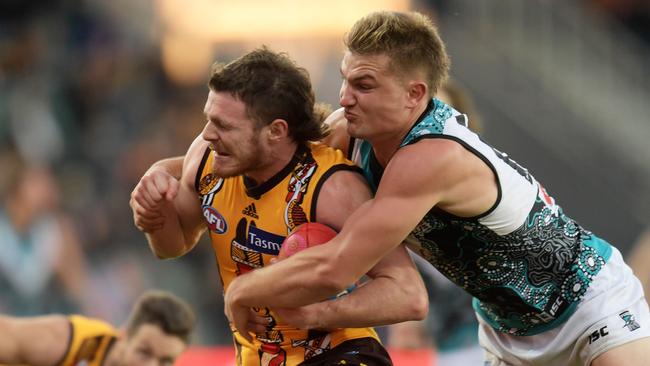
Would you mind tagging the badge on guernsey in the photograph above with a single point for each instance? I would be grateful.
(216, 221)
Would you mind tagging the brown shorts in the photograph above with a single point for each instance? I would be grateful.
(360, 352)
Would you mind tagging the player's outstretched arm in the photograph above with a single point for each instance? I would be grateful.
(395, 293)
(37, 341)
(410, 187)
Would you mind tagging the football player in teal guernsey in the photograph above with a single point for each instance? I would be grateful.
(546, 290)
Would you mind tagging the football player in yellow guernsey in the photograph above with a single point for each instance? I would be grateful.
(156, 333)
(251, 177)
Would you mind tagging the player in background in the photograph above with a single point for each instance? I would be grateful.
(158, 331)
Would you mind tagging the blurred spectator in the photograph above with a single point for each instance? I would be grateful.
(42, 266)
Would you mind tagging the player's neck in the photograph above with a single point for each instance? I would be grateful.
(384, 147)
(277, 159)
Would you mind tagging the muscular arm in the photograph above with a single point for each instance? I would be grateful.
(33, 341)
(395, 286)
(410, 187)
(396, 283)
(175, 202)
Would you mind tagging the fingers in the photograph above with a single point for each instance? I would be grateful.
(240, 322)
(238, 317)
(259, 324)
(172, 189)
(148, 198)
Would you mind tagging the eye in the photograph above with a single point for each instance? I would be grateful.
(144, 353)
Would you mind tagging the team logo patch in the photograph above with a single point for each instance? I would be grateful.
(629, 320)
(263, 242)
(207, 183)
(216, 222)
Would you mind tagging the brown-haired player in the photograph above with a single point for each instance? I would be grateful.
(156, 333)
(252, 176)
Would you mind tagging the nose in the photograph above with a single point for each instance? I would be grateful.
(346, 98)
(209, 132)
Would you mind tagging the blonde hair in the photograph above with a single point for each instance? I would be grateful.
(410, 40)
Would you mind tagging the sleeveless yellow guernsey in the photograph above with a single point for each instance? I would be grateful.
(90, 340)
(247, 226)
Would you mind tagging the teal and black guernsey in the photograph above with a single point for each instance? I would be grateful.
(525, 262)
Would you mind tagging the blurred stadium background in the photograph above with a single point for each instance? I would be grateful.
(98, 90)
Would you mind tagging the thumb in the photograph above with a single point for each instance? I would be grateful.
(172, 190)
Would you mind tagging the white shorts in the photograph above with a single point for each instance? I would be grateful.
(612, 312)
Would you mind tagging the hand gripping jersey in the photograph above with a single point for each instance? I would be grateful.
(89, 343)
(247, 225)
(525, 262)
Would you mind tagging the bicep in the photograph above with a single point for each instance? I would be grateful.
(341, 194)
(187, 203)
(408, 190)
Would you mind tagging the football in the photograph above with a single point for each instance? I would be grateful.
(305, 236)
(308, 235)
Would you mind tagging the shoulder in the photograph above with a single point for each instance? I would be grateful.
(338, 137)
(194, 159)
(429, 163)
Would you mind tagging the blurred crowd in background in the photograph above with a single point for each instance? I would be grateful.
(92, 92)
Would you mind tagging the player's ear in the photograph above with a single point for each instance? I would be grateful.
(277, 129)
(121, 333)
(417, 90)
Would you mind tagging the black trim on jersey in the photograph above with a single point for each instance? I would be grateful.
(376, 169)
(430, 107)
(333, 169)
(256, 191)
(67, 348)
(351, 143)
(204, 159)
(480, 156)
(110, 344)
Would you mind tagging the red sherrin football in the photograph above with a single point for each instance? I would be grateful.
(305, 236)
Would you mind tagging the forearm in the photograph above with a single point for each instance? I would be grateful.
(38, 341)
(395, 293)
(172, 166)
(319, 272)
(9, 350)
(381, 301)
(170, 241)
(309, 283)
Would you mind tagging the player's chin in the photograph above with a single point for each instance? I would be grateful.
(228, 170)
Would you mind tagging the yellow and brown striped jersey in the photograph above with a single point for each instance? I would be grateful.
(89, 342)
(248, 224)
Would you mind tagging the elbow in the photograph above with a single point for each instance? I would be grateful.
(416, 299)
(165, 254)
(420, 307)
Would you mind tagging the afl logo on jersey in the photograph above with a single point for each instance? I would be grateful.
(216, 221)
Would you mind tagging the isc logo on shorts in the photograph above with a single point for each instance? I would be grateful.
(598, 334)
(216, 221)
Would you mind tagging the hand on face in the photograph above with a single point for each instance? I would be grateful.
(155, 191)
